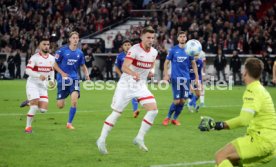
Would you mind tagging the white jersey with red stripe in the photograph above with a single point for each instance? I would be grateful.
(128, 88)
(143, 61)
(42, 65)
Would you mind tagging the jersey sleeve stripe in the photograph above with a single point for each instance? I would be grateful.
(248, 110)
(43, 97)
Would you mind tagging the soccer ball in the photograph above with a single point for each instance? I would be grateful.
(193, 47)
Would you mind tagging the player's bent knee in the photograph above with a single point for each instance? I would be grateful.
(60, 106)
(176, 102)
(220, 156)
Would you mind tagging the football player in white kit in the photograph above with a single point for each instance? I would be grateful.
(133, 84)
(39, 69)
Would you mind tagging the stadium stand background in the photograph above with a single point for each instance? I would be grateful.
(246, 26)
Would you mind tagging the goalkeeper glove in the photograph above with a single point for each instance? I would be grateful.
(208, 123)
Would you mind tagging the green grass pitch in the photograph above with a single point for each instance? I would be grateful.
(52, 145)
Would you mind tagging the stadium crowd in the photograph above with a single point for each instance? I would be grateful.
(248, 27)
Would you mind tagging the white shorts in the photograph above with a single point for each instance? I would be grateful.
(36, 91)
(123, 95)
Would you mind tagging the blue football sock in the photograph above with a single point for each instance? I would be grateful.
(134, 104)
(171, 110)
(178, 110)
(191, 96)
(72, 114)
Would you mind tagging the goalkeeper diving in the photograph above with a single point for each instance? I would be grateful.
(258, 146)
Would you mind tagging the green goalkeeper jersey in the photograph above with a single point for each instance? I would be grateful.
(257, 112)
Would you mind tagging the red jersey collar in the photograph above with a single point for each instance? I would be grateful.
(144, 48)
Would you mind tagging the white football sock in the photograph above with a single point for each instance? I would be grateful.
(146, 123)
(30, 115)
(202, 96)
(108, 124)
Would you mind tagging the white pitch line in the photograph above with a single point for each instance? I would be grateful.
(185, 164)
(87, 111)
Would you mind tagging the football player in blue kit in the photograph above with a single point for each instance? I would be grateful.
(180, 77)
(195, 89)
(68, 61)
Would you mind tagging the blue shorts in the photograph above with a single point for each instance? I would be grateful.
(63, 92)
(180, 90)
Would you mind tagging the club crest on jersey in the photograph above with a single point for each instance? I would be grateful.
(181, 59)
(56, 56)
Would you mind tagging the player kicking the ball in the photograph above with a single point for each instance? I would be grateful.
(118, 69)
(39, 69)
(258, 146)
(132, 84)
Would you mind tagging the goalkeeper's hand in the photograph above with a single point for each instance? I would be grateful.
(208, 123)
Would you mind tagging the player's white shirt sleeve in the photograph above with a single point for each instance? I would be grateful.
(131, 54)
(30, 67)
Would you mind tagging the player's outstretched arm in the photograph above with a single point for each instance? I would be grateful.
(208, 123)
(126, 69)
(85, 71)
(63, 74)
(118, 71)
(274, 73)
(166, 68)
(195, 71)
(242, 120)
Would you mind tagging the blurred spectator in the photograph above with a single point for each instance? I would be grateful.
(117, 43)
(11, 66)
(162, 58)
(2, 69)
(220, 64)
(17, 62)
(96, 74)
(267, 68)
(109, 68)
(235, 67)
(87, 51)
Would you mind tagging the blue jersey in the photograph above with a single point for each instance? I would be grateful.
(120, 60)
(199, 64)
(69, 62)
(180, 62)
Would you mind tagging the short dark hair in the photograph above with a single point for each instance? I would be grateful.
(126, 41)
(254, 67)
(44, 38)
(148, 29)
(180, 33)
